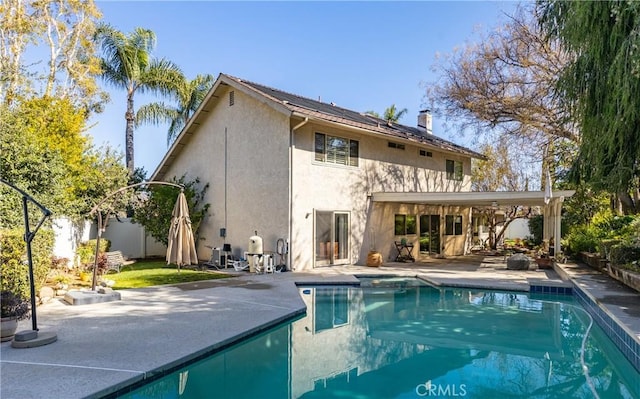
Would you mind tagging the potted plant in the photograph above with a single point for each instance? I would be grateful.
(13, 307)
(374, 258)
(544, 261)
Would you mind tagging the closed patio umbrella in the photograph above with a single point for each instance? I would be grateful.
(181, 248)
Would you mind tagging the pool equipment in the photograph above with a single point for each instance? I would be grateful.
(267, 263)
(282, 249)
(254, 251)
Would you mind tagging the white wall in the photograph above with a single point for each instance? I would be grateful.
(242, 152)
(330, 187)
(125, 236)
(519, 228)
(67, 236)
(130, 238)
(248, 189)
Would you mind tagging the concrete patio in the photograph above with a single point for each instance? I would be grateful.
(104, 347)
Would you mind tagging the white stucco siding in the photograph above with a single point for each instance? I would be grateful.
(248, 186)
(330, 187)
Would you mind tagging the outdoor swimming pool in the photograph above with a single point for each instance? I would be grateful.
(399, 338)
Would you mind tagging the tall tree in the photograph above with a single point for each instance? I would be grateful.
(72, 65)
(600, 84)
(66, 28)
(127, 64)
(392, 114)
(501, 171)
(43, 151)
(502, 83)
(190, 94)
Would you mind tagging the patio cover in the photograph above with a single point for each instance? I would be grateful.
(551, 203)
(474, 198)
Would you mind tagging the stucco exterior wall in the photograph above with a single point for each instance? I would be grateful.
(330, 187)
(241, 150)
(382, 224)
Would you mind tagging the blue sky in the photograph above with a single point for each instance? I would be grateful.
(359, 55)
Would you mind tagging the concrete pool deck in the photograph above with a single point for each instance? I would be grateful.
(104, 347)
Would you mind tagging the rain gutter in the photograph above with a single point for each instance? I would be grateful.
(290, 232)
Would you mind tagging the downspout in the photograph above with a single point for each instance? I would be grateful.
(290, 232)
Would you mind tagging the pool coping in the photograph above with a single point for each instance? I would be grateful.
(606, 316)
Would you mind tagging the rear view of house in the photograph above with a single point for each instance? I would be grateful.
(330, 182)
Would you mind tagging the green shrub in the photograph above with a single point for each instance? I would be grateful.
(535, 227)
(605, 230)
(582, 239)
(605, 247)
(14, 267)
(87, 250)
(612, 226)
(625, 253)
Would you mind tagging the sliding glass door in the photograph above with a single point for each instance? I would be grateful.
(430, 234)
(331, 238)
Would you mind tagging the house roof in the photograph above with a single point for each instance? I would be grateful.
(302, 107)
(330, 112)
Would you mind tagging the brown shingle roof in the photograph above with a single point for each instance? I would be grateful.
(333, 113)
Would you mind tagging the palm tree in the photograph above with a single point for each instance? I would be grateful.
(189, 93)
(392, 114)
(127, 64)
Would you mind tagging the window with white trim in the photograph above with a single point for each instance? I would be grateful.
(337, 150)
(454, 170)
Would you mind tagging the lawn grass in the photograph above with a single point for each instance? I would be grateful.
(149, 273)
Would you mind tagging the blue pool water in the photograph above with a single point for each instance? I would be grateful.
(398, 338)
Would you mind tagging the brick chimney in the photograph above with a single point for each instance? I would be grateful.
(425, 122)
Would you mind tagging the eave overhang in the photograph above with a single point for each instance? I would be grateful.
(474, 198)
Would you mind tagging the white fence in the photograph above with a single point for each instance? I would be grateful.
(125, 236)
(519, 228)
(131, 239)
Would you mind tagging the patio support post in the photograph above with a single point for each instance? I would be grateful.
(558, 226)
(547, 220)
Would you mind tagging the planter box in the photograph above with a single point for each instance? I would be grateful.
(544, 263)
(627, 277)
(591, 259)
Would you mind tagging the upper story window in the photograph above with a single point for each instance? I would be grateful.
(337, 150)
(454, 170)
(399, 146)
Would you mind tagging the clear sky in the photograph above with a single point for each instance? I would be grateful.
(360, 55)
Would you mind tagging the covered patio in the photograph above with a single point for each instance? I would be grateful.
(549, 203)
